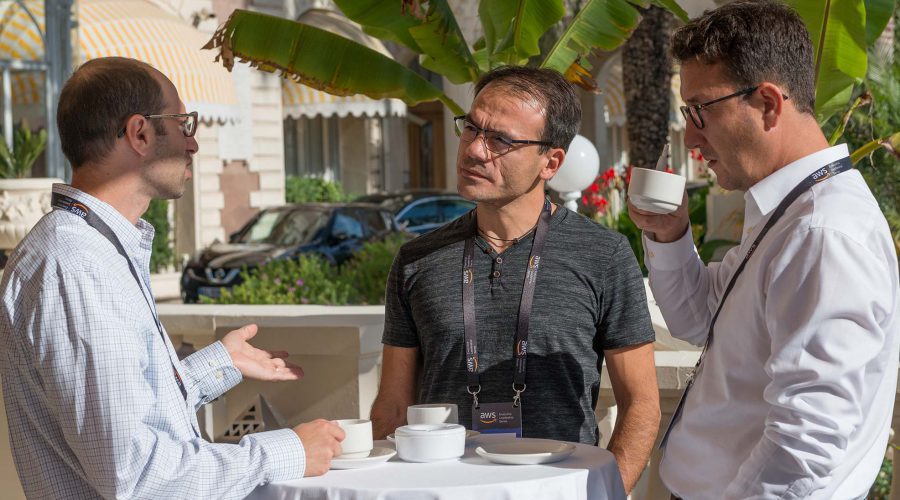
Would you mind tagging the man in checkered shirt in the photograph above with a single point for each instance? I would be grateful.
(98, 403)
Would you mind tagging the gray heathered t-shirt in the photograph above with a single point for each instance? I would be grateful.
(589, 297)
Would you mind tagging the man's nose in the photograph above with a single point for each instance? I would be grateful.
(693, 136)
(192, 145)
(477, 147)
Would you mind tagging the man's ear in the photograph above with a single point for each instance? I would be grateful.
(555, 159)
(138, 134)
(773, 104)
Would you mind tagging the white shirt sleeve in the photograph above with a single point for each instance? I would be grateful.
(680, 283)
(210, 373)
(822, 317)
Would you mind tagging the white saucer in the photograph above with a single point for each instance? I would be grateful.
(377, 456)
(525, 451)
(469, 435)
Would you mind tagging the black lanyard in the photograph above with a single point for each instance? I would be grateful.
(78, 208)
(524, 319)
(824, 173)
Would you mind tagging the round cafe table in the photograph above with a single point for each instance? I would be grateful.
(590, 473)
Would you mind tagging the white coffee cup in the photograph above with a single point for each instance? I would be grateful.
(439, 413)
(655, 191)
(357, 441)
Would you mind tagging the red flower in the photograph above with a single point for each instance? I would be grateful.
(669, 170)
(594, 187)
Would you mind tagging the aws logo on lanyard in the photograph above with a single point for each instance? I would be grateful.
(472, 363)
(535, 262)
(467, 276)
(487, 417)
(821, 175)
(521, 348)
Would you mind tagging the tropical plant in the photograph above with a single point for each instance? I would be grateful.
(313, 280)
(512, 30)
(313, 189)
(163, 254)
(27, 146)
(841, 31)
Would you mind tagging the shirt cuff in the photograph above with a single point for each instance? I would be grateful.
(284, 457)
(211, 371)
(669, 256)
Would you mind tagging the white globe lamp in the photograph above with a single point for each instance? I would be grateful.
(578, 171)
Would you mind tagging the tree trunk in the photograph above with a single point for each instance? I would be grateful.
(646, 78)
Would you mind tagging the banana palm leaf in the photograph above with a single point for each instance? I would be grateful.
(838, 32)
(319, 59)
(878, 14)
(890, 143)
(385, 19)
(600, 24)
(443, 44)
(512, 28)
(433, 33)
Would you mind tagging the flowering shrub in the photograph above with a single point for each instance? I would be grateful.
(310, 279)
(604, 201)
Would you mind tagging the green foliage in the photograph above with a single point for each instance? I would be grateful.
(27, 146)
(313, 280)
(163, 255)
(881, 489)
(513, 28)
(313, 189)
(367, 272)
(877, 116)
(307, 280)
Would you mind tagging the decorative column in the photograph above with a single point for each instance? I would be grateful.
(58, 54)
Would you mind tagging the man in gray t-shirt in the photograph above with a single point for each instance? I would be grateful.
(588, 297)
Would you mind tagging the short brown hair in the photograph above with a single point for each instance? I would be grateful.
(756, 41)
(562, 109)
(96, 101)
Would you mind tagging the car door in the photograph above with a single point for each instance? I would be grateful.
(347, 233)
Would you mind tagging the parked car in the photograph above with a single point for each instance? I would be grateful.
(333, 231)
(422, 211)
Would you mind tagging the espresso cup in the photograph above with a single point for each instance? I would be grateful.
(655, 191)
(357, 441)
(438, 413)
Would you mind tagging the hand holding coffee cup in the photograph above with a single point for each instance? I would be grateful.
(439, 413)
(657, 201)
(656, 191)
(357, 442)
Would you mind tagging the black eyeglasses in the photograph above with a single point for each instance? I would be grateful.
(693, 112)
(495, 141)
(188, 126)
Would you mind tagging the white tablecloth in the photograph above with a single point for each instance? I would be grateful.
(590, 473)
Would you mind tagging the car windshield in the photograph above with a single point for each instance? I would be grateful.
(285, 227)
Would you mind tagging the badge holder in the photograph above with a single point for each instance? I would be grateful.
(497, 418)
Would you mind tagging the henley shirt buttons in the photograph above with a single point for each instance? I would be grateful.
(499, 260)
(496, 274)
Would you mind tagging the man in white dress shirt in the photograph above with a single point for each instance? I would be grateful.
(794, 395)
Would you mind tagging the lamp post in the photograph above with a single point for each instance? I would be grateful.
(578, 171)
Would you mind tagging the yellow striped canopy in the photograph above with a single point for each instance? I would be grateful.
(129, 28)
(298, 100)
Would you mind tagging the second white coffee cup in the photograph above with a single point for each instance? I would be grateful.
(438, 413)
(357, 441)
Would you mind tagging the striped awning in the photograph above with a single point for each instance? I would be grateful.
(298, 100)
(609, 80)
(129, 28)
